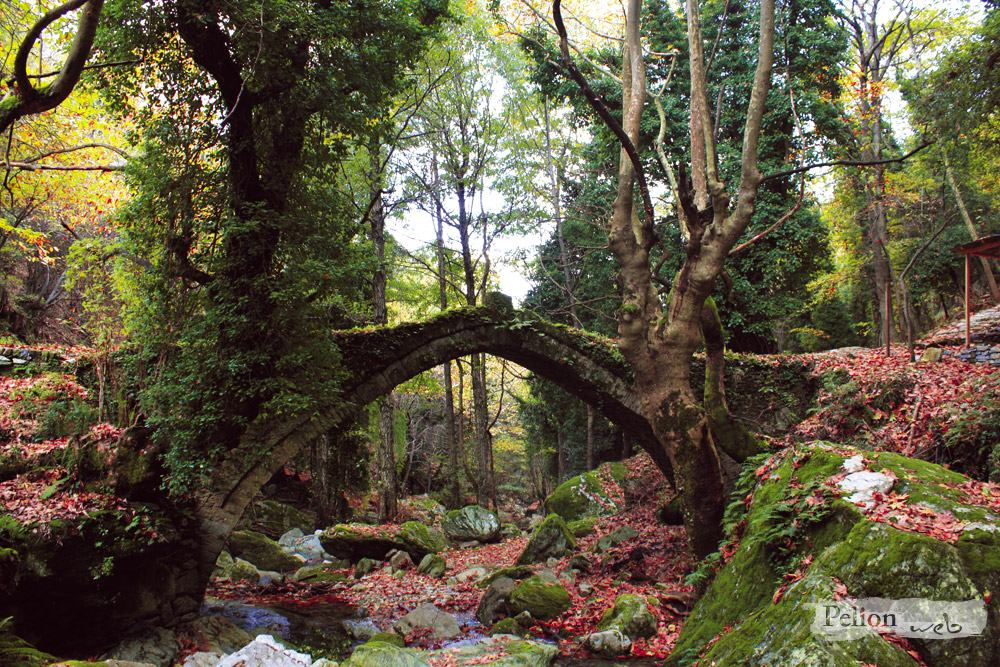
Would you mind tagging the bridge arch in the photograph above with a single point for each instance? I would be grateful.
(378, 359)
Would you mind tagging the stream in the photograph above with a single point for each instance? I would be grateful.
(322, 629)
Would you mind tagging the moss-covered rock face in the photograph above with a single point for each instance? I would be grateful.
(356, 541)
(498, 651)
(801, 542)
(471, 523)
(318, 574)
(421, 540)
(274, 519)
(550, 539)
(631, 616)
(542, 599)
(262, 551)
(584, 496)
(384, 654)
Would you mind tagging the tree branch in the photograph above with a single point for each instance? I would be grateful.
(29, 100)
(609, 120)
(846, 163)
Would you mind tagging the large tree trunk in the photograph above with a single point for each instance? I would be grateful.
(385, 457)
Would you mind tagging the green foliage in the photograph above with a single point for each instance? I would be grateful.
(67, 418)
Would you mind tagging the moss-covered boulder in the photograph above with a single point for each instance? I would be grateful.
(242, 570)
(515, 572)
(262, 551)
(421, 540)
(582, 527)
(631, 616)
(550, 539)
(507, 626)
(365, 566)
(274, 519)
(544, 600)
(356, 541)
(471, 523)
(587, 494)
(801, 542)
(432, 565)
(319, 574)
(385, 654)
(424, 509)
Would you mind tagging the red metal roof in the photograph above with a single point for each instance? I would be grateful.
(987, 246)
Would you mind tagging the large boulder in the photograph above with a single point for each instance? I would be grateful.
(158, 646)
(550, 539)
(274, 519)
(501, 651)
(631, 616)
(354, 541)
(421, 540)
(804, 546)
(265, 650)
(588, 494)
(541, 598)
(424, 509)
(262, 551)
(495, 603)
(307, 547)
(471, 523)
(432, 565)
(440, 624)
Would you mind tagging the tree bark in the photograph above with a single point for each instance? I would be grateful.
(385, 457)
(450, 433)
(969, 225)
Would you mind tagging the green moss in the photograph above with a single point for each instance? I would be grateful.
(580, 497)
(507, 626)
(542, 599)
(515, 572)
(550, 539)
(421, 540)
(384, 654)
(871, 559)
(631, 616)
(262, 551)
(16, 651)
(582, 527)
(388, 638)
(317, 574)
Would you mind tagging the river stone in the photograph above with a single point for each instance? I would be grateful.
(615, 537)
(495, 602)
(475, 574)
(432, 565)
(217, 634)
(158, 646)
(361, 629)
(503, 651)
(203, 659)
(265, 650)
(609, 643)
(306, 547)
(244, 571)
(540, 598)
(471, 523)
(365, 566)
(441, 624)
(551, 539)
(630, 615)
(223, 566)
(401, 561)
(262, 551)
(421, 540)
